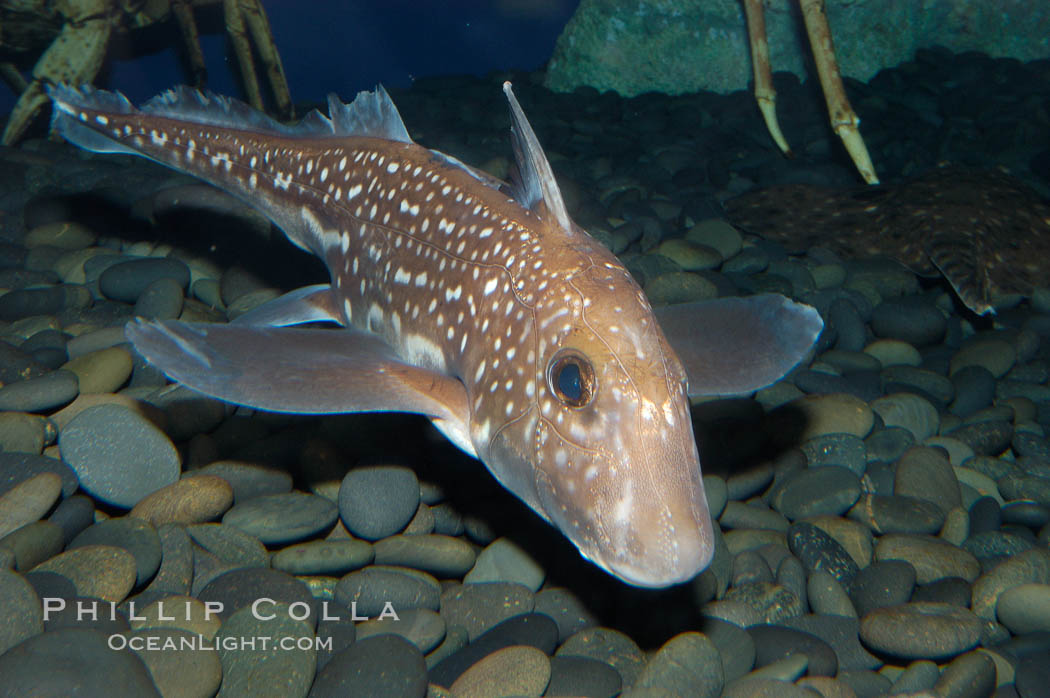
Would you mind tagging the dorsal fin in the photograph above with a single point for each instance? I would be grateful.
(537, 180)
(371, 114)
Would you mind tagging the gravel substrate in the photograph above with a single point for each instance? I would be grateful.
(884, 511)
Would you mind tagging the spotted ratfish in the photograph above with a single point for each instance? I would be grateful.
(477, 303)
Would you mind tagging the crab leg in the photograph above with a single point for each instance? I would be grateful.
(75, 57)
(259, 26)
(844, 120)
(765, 95)
(183, 12)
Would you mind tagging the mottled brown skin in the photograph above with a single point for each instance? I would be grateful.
(984, 230)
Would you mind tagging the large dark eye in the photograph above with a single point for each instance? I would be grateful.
(571, 379)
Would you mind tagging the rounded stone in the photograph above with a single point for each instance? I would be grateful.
(845, 450)
(909, 319)
(328, 557)
(442, 556)
(910, 412)
(33, 543)
(177, 612)
(248, 480)
(229, 544)
(422, 627)
(974, 390)
(931, 557)
(285, 666)
(125, 281)
(161, 300)
(827, 490)
(1025, 608)
(119, 456)
(383, 665)
(898, 514)
(101, 571)
(818, 550)
(609, 646)
(689, 255)
(259, 587)
(817, 415)
(73, 661)
(502, 560)
(178, 672)
(190, 500)
(102, 371)
(679, 287)
(28, 501)
(774, 643)
(133, 535)
(925, 473)
(379, 501)
(994, 354)
(893, 352)
(18, 467)
(719, 234)
(480, 607)
(65, 235)
(371, 588)
(1029, 567)
(581, 676)
(46, 392)
(519, 670)
(921, 630)
(688, 665)
(22, 610)
(278, 519)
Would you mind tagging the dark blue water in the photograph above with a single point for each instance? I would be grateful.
(343, 46)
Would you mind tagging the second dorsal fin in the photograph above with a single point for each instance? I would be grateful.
(537, 179)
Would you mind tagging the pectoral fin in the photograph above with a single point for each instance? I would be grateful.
(296, 370)
(735, 346)
(306, 304)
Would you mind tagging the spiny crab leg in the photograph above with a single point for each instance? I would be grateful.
(844, 120)
(765, 95)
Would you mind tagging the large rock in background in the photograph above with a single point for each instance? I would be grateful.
(681, 46)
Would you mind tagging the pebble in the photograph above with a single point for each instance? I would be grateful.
(33, 543)
(912, 320)
(422, 627)
(101, 571)
(177, 612)
(370, 588)
(816, 491)
(817, 550)
(22, 611)
(252, 670)
(910, 412)
(719, 234)
(176, 671)
(26, 302)
(187, 501)
(931, 557)
(229, 544)
(324, 557)
(176, 562)
(689, 255)
(893, 352)
(379, 501)
(974, 390)
(926, 474)
(383, 665)
(279, 519)
(119, 456)
(679, 287)
(898, 514)
(921, 630)
(73, 515)
(773, 643)
(845, 450)
(240, 588)
(817, 415)
(21, 433)
(996, 355)
(126, 281)
(19, 467)
(610, 647)
(73, 661)
(842, 634)
(248, 480)
(687, 665)
(852, 332)
(480, 607)
(47, 392)
(442, 556)
(519, 670)
(133, 535)
(67, 235)
(102, 371)
(580, 676)
(502, 560)
(1029, 567)
(161, 300)
(28, 501)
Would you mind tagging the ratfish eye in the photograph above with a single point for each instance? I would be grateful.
(571, 379)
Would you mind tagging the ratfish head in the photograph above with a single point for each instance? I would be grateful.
(609, 436)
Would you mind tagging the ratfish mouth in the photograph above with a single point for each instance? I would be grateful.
(690, 554)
